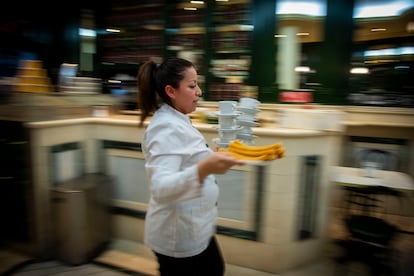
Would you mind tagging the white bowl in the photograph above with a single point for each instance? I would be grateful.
(227, 107)
(244, 123)
(227, 122)
(248, 110)
(227, 135)
(250, 117)
(246, 130)
(249, 103)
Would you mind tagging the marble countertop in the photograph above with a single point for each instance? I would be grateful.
(348, 176)
(133, 120)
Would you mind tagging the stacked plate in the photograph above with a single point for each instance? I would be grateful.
(228, 127)
(247, 119)
(236, 120)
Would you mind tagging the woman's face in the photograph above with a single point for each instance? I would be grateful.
(185, 98)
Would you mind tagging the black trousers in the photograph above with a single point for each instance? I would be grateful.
(210, 262)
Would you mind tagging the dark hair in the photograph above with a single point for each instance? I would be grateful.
(152, 80)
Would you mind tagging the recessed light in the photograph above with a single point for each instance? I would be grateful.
(378, 30)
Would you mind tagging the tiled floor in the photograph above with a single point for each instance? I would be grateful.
(127, 258)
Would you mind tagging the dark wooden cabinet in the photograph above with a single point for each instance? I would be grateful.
(132, 32)
(186, 34)
(232, 26)
(215, 36)
(16, 183)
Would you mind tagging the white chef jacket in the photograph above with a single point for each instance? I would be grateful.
(181, 215)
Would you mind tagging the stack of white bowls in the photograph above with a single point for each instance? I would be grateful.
(247, 119)
(228, 127)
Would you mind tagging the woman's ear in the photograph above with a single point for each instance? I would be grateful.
(170, 91)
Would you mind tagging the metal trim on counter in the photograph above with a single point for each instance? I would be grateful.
(133, 121)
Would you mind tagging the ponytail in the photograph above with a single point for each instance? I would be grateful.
(147, 96)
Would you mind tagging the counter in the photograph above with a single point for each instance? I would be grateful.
(280, 211)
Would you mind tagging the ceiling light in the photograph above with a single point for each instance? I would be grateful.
(87, 32)
(359, 70)
(113, 30)
(303, 69)
(407, 50)
(378, 29)
(382, 9)
(312, 8)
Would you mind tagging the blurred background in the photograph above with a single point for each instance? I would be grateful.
(357, 52)
(73, 60)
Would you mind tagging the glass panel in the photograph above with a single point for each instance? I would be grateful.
(127, 172)
(299, 35)
(67, 162)
(383, 56)
(231, 195)
(240, 202)
(309, 190)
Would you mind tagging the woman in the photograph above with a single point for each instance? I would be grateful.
(181, 215)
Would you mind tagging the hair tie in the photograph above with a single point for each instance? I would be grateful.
(155, 66)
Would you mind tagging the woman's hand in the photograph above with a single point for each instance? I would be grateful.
(217, 163)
